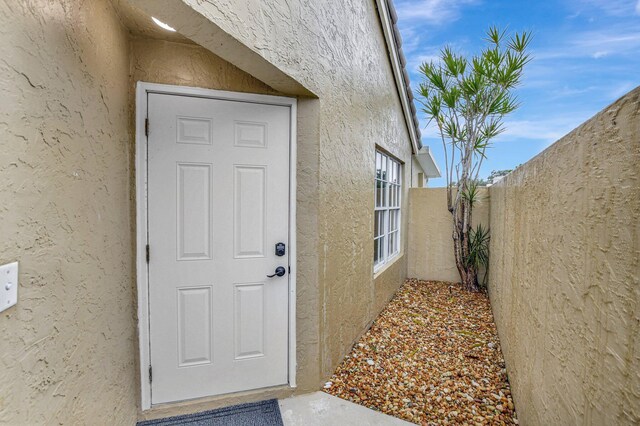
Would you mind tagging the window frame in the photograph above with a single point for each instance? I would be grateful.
(388, 207)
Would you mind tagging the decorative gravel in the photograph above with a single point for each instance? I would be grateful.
(432, 357)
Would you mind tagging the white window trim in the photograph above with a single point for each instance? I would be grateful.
(387, 257)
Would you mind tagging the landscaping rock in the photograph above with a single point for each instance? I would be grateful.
(437, 360)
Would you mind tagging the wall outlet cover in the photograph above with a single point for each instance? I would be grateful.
(8, 285)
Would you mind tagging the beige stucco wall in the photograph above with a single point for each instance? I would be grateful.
(431, 226)
(165, 62)
(337, 51)
(67, 349)
(70, 349)
(418, 178)
(565, 274)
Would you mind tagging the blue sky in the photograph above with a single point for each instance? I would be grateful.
(586, 54)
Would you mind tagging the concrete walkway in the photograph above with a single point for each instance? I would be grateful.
(321, 409)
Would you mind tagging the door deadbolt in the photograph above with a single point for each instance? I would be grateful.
(280, 249)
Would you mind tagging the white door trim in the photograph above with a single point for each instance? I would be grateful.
(142, 90)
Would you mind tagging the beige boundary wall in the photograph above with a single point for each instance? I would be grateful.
(430, 243)
(565, 274)
(564, 278)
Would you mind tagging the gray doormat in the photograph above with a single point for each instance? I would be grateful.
(263, 413)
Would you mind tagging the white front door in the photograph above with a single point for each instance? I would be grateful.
(218, 203)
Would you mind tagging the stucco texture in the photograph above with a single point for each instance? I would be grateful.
(431, 228)
(67, 349)
(565, 274)
(336, 50)
(166, 62)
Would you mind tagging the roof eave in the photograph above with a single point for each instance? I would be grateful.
(428, 163)
(395, 55)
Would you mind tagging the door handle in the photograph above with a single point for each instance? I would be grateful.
(280, 271)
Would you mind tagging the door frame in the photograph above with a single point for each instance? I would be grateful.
(141, 175)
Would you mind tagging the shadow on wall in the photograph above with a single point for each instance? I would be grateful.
(564, 276)
(430, 228)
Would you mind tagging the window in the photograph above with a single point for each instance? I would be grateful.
(388, 189)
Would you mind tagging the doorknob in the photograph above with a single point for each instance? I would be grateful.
(280, 271)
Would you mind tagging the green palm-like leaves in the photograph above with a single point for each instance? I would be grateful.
(467, 99)
(479, 239)
(470, 193)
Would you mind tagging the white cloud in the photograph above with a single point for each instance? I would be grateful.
(429, 53)
(414, 63)
(610, 7)
(543, 130)
(607, 40)
(621, 89)
(595, 44)
(410, 39)
(431, 11)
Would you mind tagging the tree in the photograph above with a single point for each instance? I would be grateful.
(467, 100)
(495, 175)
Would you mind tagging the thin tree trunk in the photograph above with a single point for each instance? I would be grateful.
(461, 235)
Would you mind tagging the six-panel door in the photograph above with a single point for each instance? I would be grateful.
(218, 203)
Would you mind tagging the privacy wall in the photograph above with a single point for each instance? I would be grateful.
(431, 228)
(564, 278)
(565, 274)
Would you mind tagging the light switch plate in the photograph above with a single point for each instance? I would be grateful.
(8, 285)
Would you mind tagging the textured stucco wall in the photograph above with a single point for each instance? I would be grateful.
(69, 70)
(430, 229)
(165, 62)
(67, 348)
(417, 180)
(565, 274)
(336, 50)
